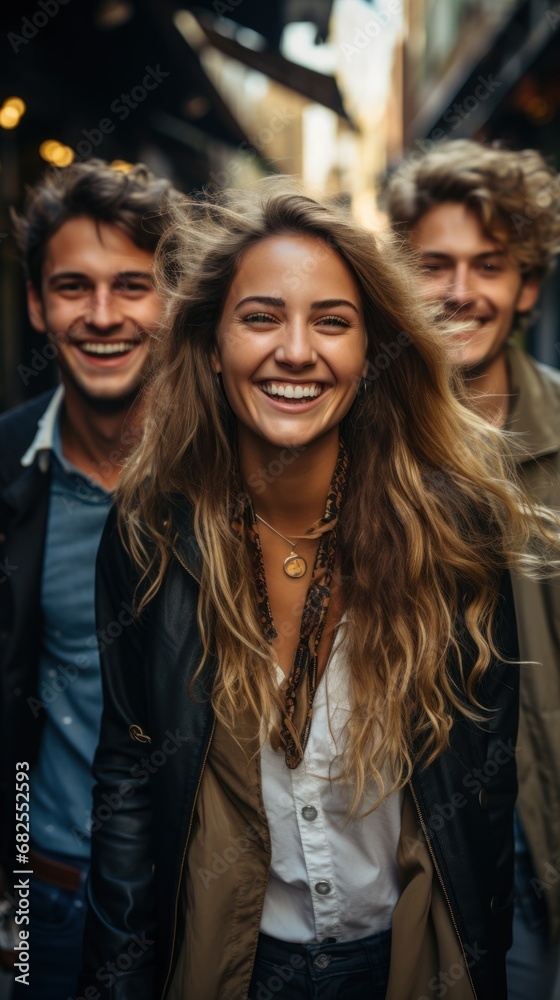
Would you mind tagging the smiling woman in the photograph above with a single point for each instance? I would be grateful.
(290, 364)
(336, 645)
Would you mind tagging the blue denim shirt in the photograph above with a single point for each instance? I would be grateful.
(69, 691)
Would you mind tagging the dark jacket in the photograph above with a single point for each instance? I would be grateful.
(149, 767)
(24, 497)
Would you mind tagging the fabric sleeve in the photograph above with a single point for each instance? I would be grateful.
(119, 949)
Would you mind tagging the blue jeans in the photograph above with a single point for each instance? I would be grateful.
(56, 931)
(344, 971)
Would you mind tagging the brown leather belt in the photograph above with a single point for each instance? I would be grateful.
(55, 872)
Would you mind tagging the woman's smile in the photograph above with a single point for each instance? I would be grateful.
(295, 391)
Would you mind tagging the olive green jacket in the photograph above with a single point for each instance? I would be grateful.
(535, 416)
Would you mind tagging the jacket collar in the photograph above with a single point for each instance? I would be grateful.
(20, 494)
(535, 415)
(44, 440)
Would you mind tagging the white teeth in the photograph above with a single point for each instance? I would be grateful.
(124, 347)
(290, 391)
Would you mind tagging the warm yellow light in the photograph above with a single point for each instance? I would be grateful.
(17, 103)
(121, 165)
(9, 117)
(63, 156)
(46, 148)
(56, 153)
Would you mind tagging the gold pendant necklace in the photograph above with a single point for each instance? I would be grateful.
(295, 566)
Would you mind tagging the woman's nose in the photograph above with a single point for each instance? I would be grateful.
(296, 347)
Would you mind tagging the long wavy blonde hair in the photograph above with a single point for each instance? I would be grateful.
(431, 517)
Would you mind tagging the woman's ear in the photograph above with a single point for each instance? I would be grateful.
(215, 359)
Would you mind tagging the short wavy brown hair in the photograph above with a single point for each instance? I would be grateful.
(136, 202)
(516, 195)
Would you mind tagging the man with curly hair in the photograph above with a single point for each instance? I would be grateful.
(485, 226)
(87, 236)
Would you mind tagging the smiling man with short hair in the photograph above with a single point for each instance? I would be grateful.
(88, 235)
(485, 224)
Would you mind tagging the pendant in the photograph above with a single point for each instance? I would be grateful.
(295, 566)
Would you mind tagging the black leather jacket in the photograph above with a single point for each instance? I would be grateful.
(146, 794)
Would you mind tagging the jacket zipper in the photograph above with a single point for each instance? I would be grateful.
(444, 890)
(184, 856)
(180, 560)
(207, 751)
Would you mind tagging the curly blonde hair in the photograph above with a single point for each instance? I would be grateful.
(515, 194)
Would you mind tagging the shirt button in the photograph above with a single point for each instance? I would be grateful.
(309, 812)
(323, 888)
(322, 961)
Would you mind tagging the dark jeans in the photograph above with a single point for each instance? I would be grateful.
(346, 971)
(56, 930)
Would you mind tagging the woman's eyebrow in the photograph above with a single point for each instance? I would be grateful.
(333, 303)
(264, 300)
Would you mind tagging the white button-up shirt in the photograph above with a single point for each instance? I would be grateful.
(329, 878)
